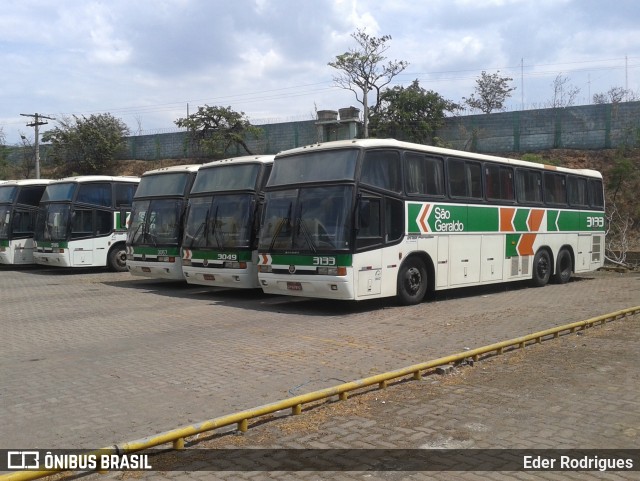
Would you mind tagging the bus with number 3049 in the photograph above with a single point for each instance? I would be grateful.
(82, 222)
(374, 218)
(221, 227)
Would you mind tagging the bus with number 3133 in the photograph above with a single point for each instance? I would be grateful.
(373, 218)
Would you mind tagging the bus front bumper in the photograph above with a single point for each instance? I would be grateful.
(327, 287)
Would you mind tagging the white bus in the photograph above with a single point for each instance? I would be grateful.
(19, 200)
(220, 234)
(156, 227)
(82, 222)
(373, 218)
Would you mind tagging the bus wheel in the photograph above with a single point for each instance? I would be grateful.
(541, 268)
(412, 282)
(117, 259)
(564, 267)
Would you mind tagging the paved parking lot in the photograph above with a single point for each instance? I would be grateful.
(92, 358)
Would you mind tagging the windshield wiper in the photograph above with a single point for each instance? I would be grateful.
(302, 227)
(214, 229)
(202, 225)
(283, 221)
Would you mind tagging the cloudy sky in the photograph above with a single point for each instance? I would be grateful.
(148, 61)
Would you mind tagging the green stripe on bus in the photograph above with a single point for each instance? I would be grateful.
(512, 245)
(221, 255)
(341, 260)
(154, 251)
(4, 243)
(57, 245)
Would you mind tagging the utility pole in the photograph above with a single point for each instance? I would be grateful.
(37, 122)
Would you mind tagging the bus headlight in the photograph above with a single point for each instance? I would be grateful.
(166, 259)
(186, 262)
(234, 265)
(265, 268)
(332, 271)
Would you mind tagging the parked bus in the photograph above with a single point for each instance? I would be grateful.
(156, 227)
(374, 218)
(220, 235)
(82, 222)
(19, 200)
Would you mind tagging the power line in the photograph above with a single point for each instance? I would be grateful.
(36, 123)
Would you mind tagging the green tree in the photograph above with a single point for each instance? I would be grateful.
(86, 145)
(490, 93)
(4, 164)
(363, 70)
(216, 129)
(410, 113)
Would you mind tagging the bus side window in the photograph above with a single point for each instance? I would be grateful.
(369, 222)
(596, 196)
(529, 186)
(424, 175)
(555, 189)
(499, 181)
(394, 219)
(577, 191)
(381, 168)
(124, 194)
(465, 179)
(104, 222)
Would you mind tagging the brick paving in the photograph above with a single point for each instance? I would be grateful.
(90, 359)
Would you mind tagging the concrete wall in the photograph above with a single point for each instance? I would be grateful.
(583, 127)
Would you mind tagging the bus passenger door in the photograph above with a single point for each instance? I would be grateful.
(368, 269)
(82, 235)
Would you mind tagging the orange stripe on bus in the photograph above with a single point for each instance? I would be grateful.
(506, 219)
(535, 219)
(423, 224)
(525, 246)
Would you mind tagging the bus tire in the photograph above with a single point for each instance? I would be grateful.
(412, 282)
(117, 258)
(564, 267)
(541, 268)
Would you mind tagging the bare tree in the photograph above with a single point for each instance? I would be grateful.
(564, 94)
(615, 95)
(363, 70)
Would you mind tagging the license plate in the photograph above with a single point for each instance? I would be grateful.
(146, 269)
(209, 277)
(294, 286)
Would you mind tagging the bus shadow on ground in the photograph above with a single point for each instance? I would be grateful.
(256, 300)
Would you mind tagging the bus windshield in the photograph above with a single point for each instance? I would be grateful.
(312, 166)
(219, 222)
(5, 221)
(173, 184)
(307, 219)
(53, 222)
(8, 194)
(155, 222)
(59, 192)
(225, 178)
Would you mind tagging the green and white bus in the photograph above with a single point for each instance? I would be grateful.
(19, 200)
(156, 227)
(374, 218)
(220, 235)
(82, 222)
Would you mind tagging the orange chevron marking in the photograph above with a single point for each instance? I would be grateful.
(535, 219)
(506, 219)
(525, 246)
(423, 224)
